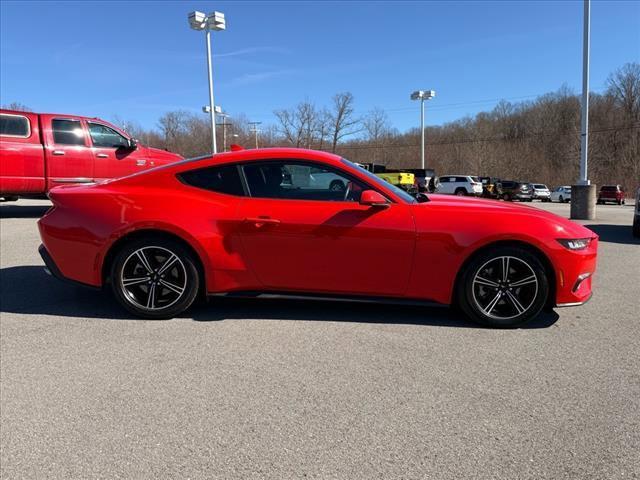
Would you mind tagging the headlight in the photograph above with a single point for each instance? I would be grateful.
(575, 243)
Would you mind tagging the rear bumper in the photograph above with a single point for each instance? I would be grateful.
(52, 269)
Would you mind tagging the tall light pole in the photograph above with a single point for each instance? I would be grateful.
(213, 21)
(583, 194)
(255, 130)
(584, 123)
(422, 95)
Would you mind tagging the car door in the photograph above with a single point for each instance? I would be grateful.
(445, 185)
(69, 158)
(113, 153)
(300, 238)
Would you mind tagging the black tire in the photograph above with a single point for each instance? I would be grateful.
(461, 192)
(181, 276)
(531, 296)
(506, 197)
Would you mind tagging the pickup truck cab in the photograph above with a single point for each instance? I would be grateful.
(40, 151)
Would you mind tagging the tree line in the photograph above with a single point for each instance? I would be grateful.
(536, 140)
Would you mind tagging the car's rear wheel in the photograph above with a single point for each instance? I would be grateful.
(503, 287)
(461, 192)
(155, 278)
(506, 197)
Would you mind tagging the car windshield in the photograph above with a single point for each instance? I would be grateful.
(381, 183)
(539, 186)
(609, 189)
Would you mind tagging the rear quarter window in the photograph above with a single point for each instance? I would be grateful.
(14, 126)
(221, 179)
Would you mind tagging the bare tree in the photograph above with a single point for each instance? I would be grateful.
(376, 124)
(298, 124)
(624, 86)
(16, 106)
(344, 123)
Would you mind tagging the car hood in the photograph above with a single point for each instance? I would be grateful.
(564, 227)
(163, 155)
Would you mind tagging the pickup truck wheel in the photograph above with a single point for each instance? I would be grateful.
(461, 192)
(154, 278)
(503, 287)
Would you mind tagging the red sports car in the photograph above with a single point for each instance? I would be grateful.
(307, 223)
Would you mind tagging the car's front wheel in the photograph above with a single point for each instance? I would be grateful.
(503, 287)
(155, 278)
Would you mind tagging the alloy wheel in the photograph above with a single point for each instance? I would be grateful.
(505, 287)
(153, 278)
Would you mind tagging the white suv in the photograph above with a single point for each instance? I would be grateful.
(459, 185)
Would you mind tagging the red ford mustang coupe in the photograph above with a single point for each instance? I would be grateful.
(307, 223)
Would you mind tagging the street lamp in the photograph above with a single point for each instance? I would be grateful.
(213, 21)
(422, 95)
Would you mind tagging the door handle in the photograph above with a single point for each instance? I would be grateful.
(102, 155)
(260, 221)
(58, 152)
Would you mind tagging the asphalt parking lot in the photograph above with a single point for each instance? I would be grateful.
(274, 389)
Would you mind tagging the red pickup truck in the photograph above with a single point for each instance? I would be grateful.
(39, 151)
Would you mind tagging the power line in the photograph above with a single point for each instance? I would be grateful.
(488, 139)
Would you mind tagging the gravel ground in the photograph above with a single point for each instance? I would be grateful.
(274, 389)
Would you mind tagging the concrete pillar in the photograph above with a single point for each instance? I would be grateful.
(583, 202)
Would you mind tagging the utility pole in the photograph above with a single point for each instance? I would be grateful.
(224, 126)
(255, 130)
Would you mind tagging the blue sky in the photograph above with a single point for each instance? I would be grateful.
(140, 59)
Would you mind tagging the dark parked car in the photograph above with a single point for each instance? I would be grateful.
(611, 193)
(510, 190)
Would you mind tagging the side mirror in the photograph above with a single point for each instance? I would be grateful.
(422, 198)
(133, 143)
(373, 199)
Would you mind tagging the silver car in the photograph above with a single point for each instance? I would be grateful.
(541, 192)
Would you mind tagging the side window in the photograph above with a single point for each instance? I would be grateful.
(67, 132)
(461, 179)
(103, 136)
(444, 179)
(222, 179)
(14, 126)
(300, 181)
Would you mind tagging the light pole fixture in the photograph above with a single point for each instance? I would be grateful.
(255, 130)
(214, 21)
(422, 95)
